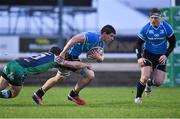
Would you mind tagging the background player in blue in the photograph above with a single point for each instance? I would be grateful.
(78, 44)
(15, 71)
(155, 36)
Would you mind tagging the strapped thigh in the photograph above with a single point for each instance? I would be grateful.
(63, 73)
(83, 72)
(161, 67)
(147, 62)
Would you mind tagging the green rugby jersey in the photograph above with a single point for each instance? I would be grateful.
(38, 64)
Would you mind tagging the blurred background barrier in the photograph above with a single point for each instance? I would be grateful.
(33, 26)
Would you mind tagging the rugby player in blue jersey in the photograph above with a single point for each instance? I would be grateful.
(158, 41)
(15, 71)
(78, 44)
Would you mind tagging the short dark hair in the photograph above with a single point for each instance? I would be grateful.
(55, 50)
(108, 29)
(155, 10)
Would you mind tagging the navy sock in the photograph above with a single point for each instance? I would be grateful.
(40, 92)
(5, 93)
(140, 89)
(73, 93)
(150, 82)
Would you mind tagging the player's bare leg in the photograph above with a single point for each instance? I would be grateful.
(52, 82)
(145, 75)
(37, 97)
(8, 93)
(3, 83)
(159, 77)
(83, 82)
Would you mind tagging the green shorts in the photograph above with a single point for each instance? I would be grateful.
(14, 73)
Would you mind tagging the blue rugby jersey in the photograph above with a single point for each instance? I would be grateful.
(38, 64)
(92, 39)
(155, 38)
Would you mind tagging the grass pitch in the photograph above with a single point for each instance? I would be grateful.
(111, 102)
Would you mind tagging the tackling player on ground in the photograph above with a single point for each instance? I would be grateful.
(78, 44)
(154, 37)
(15, 71)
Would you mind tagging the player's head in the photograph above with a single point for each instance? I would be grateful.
(155, 16)
(107, 33)
(55, 50)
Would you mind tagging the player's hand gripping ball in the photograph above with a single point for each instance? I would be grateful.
(92, 51)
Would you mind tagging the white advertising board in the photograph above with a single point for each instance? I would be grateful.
(9, 46)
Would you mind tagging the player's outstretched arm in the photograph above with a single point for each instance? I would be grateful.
(72, 64)
(76, 64)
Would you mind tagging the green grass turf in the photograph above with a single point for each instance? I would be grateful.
(111, 102)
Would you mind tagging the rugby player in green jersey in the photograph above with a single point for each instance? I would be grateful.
(15, 71)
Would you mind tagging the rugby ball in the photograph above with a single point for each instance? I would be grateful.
(91, 51)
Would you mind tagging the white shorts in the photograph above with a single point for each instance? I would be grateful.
(66, 73)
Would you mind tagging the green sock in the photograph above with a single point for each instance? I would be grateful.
(5, 93)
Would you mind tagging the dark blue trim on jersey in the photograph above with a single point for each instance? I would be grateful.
(38, 60)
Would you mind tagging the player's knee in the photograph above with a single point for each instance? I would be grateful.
(87, 73)
(158, 83)
(144, 78)
(90, 75)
